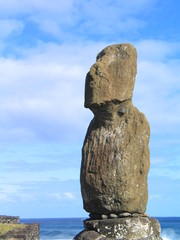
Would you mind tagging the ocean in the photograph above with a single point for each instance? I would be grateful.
(67, 228)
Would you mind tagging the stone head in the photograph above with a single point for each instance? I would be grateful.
(112, 77)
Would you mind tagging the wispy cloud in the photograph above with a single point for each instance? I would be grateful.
(62, 196)
(26, 197)
(10, 26)
(8, 192)
(158, 161)
(69, 195)
(157, 87)
(46, 48)
(18, 7)
(170, 172)
(44, 90)
(5, 198)
(156, 197)
(59, 18)
(34, 191)
(157, 50)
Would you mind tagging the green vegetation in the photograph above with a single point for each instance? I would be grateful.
(5, 228)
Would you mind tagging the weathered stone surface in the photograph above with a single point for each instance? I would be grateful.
(135, 215)
(115, 161)
(115, 154)
(9, 219)
(90, 235)
(125, 228)
(112, 77)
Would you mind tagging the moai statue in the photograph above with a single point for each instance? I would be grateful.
(115, 154)
(115, 157)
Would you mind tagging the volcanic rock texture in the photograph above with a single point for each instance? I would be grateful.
(140, 228)
(115, 154)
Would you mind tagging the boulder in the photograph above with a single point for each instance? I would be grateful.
(127, 228)
(90, 235)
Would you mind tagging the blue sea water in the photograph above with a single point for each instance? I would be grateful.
(170, 228)
(67, 228)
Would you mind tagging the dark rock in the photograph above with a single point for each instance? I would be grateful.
(126, 228)
(95, 216)
(89, 235)
(9, 219)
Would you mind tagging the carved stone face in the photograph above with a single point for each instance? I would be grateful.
(112, 77)
(115, 154)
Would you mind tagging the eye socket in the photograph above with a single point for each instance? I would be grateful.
(122, 111)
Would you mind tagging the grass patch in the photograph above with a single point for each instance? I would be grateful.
(5, 228)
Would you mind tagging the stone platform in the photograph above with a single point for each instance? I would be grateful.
(127, 228)
(10, 229)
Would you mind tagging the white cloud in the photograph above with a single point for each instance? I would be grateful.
(43, 94)
(49, 26)
(158, 160)
(171, 173)
(44, 90)
(20, 6)
(16, 133)
(34, 190)
(9, 26)
(46, 14)
(156, 197)
(104, 19)
(5, 198)
(156, 50)
(23, 7)
(61, 174)
(13, 192)
(46, 6)
(10, 188)
(157, 86)
(26, 197)
(60, 18)
(69, 195)
(9, 191)
(62, 196)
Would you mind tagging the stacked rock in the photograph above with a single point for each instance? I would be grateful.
(115, 154)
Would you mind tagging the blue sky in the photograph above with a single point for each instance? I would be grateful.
(46, 49)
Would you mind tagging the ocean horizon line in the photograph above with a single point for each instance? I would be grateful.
(87, 217)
